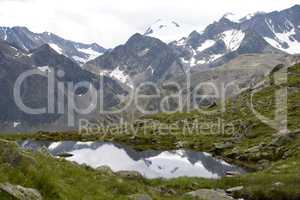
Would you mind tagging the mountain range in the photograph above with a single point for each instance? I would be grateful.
(275, 33)
(27, 40)
(230, 49)
(34, 89)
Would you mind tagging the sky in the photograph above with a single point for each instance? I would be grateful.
(112, 22)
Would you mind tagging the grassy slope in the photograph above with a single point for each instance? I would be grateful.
(280, 180)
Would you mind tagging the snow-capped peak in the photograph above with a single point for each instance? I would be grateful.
(248, 17)
(239, 18)
(251, 15)
(165, 30)
(232, 17)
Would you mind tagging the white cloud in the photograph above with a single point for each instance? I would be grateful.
(111, 22)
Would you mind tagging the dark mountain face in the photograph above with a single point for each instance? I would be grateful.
(34, 89)
(218, 27)
(27, 40)
(142, 58)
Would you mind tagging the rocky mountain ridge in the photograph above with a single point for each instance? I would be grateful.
(27, 40)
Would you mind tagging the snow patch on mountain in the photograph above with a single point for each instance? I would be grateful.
(201, 62)
(151, 69)
(285, 40)
(214, 57)
(119, 75)
(79, 60)
(270, 25)
(232, 17)
(16, 123)
(232, 39)
(143, 52)
(166, 30)
(240, 18)
(192, 61)
(249, 16)
(90, 52)
(273, 42)
(44, 69)
(5, 34)
(56, 48)
(181, 42)
(205, 45)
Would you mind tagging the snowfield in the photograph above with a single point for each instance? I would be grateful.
(233, 39)
(205, 45)
(286, 37)
(166, 30)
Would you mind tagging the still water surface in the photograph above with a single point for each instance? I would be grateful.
(151, 164)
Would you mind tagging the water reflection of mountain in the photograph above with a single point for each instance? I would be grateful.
(212, 164)
(174, 163)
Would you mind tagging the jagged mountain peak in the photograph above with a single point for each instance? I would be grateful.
(135, 37)
(47, 33)
(232, 17)
(296, 7)
(45, 55)
(165, 30)
(275, 32)
(250, 16)
(162, 24)
(28, 40)
(22, 28)
(141, 58)
(240, 18)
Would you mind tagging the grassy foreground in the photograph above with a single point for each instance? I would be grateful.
(60, 179)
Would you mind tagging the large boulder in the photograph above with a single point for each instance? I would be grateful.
(18, 192)
(221, 146)
(206, 194)
(129, 174)
(235, 189)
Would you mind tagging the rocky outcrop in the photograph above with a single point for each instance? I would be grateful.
(20, 193)
(210, 194)
(129, 174)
